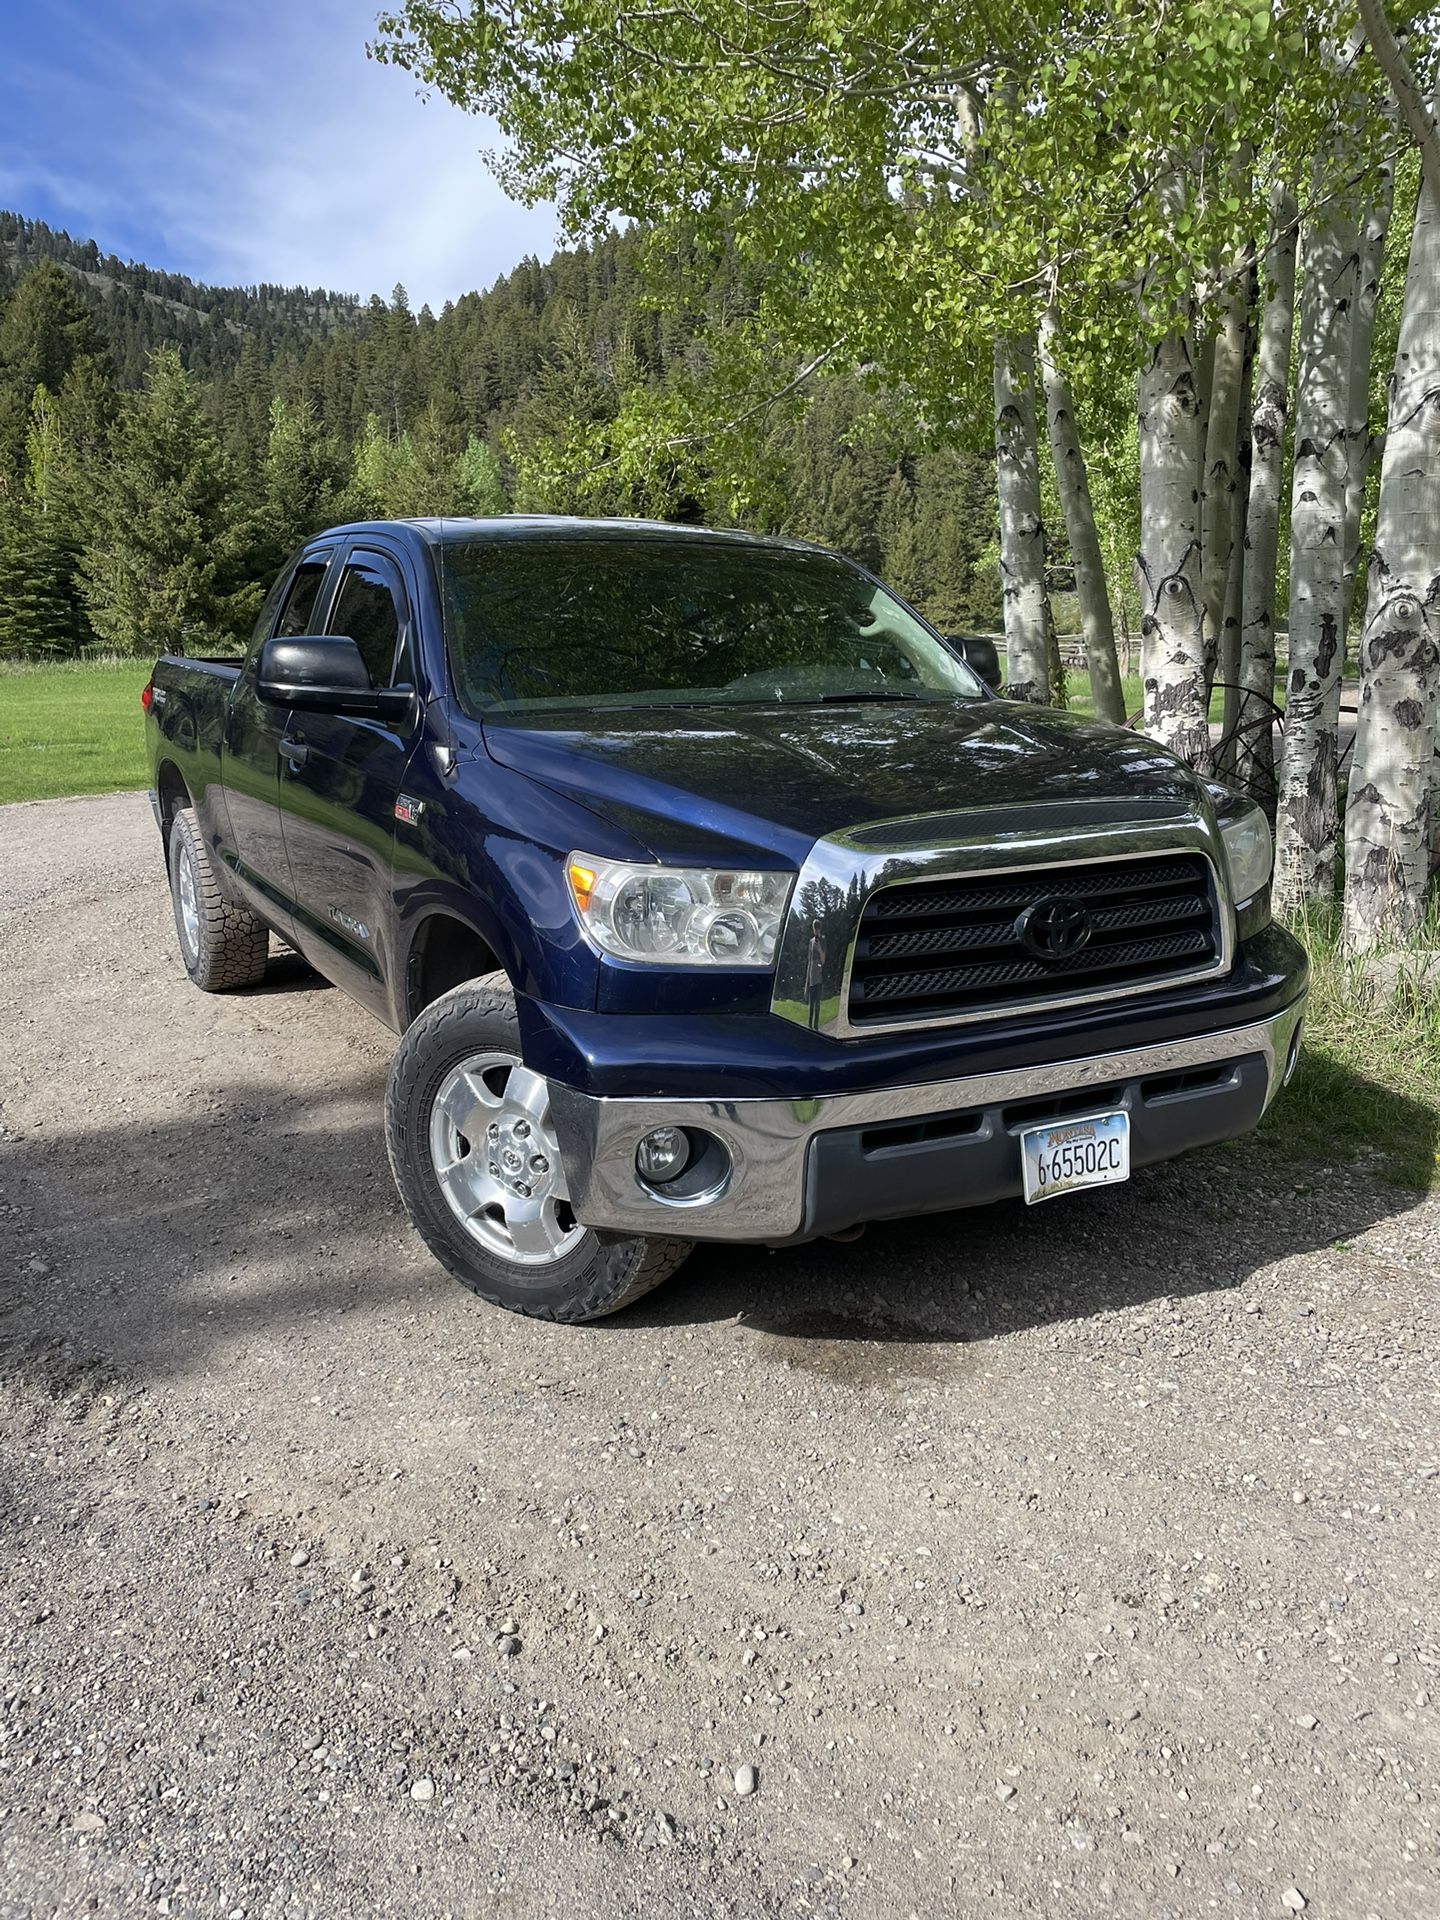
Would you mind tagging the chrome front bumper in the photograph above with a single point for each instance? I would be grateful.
(768, 1141)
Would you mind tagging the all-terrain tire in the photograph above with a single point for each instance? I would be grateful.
(598, 1275)
(223, 946)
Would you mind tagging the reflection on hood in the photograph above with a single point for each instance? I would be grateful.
(779, 778)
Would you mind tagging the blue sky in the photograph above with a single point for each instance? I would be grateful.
(247, 140)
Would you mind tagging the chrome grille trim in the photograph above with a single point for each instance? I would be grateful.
(1149, 917)
(844, 870)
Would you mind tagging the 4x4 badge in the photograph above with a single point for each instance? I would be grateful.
(408, 810)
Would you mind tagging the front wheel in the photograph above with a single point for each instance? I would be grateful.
(478, 1165)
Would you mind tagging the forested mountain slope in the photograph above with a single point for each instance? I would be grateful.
(305, 403)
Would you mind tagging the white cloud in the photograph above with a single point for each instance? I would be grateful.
(256, 142)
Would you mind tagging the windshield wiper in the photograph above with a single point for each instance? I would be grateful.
(857, 696)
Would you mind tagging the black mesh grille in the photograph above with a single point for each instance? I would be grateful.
(952, 946)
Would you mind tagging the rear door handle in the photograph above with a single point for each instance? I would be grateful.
(294, 752)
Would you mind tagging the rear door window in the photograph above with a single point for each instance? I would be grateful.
(298, 612)
(370, 607)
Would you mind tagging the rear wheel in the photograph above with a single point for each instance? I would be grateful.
(223, 946)
(478, 1165)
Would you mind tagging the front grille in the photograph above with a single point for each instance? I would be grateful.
(952, 946)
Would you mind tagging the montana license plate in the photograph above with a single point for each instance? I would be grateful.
(1093, 1152)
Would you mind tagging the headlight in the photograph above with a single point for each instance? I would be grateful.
(1249, 852)
(679, 916)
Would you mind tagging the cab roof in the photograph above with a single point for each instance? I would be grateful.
(450, 531)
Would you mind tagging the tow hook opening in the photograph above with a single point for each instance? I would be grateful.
(1292, 1059)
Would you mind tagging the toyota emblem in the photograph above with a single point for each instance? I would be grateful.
(1054, 929)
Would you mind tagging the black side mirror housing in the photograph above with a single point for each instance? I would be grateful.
(980, 655)
(324, 673)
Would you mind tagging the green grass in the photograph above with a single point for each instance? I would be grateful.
(71, 727)
(1078, 692)
(1368, 1085)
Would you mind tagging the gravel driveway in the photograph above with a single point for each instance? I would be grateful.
(1075, 1562)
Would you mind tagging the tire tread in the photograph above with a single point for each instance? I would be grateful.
(234, 945)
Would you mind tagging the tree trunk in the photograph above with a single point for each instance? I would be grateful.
(1096, 624)
(1387, 823)
(1233, 602)
(1373, 232)
(1306, 818)
(1167, 567)
(1022, 531)
(1220, 480)
(1254, 746)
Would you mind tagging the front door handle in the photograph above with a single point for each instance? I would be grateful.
(294, 752)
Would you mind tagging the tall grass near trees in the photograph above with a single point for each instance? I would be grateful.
(1368, 1085)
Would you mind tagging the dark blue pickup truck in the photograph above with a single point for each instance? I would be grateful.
(713, 893)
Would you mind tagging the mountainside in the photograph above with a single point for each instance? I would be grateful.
(139, 308)
(298, 404)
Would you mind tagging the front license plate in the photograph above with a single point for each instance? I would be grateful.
(1075, 1153)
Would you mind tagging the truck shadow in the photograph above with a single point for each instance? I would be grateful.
(263, 1213)
(288, 972)
(1202, 1224)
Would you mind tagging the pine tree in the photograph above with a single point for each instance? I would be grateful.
(150, 572)
(41, 610)
(46, 328)
(479, 489)
(302, 478)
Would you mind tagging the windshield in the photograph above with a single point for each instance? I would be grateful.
(607, 622)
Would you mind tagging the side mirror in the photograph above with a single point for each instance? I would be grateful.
(324, 673)
(980, 655)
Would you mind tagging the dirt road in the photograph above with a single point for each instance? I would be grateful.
(1070, 1562)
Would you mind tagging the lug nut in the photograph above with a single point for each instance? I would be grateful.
(492, 1132)
(522, 1189)
(538, 1163)
(522, 1129)
(494, 1171)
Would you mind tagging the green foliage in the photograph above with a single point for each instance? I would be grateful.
(616, 378)
(41, 608)
(152, 567)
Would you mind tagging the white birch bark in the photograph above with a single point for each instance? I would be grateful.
(1388, 819)
(1233, 601)
(1306, 815)
(1374, 230)
(1254, 744)
(1167, 567)
(1022, 531)
(1221, 436)
(1096, 621)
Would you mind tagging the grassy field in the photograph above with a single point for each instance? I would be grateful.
(71, 729)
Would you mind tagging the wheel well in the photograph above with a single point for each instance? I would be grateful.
(446, 952)
(172, 792)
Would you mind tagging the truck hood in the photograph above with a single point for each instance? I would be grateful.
(701, 784)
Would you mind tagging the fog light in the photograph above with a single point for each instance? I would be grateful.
(662, 1154)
